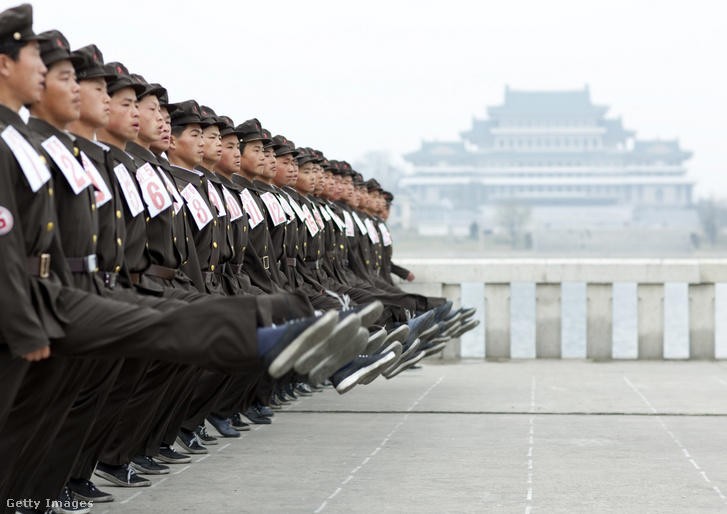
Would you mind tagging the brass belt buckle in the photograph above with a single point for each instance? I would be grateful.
(266, 262)
(44, 265)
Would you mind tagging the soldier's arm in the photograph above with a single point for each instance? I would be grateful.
(20, 327)
(402, 272)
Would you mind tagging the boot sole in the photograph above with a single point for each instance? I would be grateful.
(348, 351)
(397, 353)
(374, 368)
(111, 478)
(344, 330)
(166, 460)
(141, 470)
(311, 337)
(404, 365)
(376, 341)
(371, 313)
(98, 499)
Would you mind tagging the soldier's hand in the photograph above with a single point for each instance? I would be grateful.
(410, 277)
(37, 355)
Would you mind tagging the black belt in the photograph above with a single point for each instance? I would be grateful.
(160, 272)
(316, 264)
(109, 278)
(85, 264)
(291, 261)
(39, 266)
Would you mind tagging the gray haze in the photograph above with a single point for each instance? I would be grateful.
(348, 78)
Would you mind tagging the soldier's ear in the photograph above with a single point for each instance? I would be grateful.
(6, 65)
(172, 142)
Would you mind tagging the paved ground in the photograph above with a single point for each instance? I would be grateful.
(518, 436)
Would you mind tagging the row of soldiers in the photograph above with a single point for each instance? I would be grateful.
(163, 267)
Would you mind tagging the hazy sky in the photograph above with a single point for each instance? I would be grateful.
(350, 77)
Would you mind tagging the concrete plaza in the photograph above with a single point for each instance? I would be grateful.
(516, 436)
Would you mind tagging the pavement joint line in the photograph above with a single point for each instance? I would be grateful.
(378, 448)
(531, 445)
(519, 413)
(676, 441)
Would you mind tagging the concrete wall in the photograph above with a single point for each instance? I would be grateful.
(559, 308)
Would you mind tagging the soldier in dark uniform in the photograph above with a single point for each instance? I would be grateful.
(49, 311)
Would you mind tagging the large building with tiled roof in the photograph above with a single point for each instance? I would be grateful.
(553, 149)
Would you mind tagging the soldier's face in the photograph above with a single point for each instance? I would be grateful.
(151, 122)
(294, 170)
(385, 212)
(284, 170)
(163, 144)
(124, 116)
(61, 101)
(252, 160)
(25, 76)
(347, 188)
(188, 147)
(95, 110)
(230, 158)
(271, 164)
(212, 144)
(306, 178)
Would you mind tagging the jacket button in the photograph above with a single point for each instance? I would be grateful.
(49, 226)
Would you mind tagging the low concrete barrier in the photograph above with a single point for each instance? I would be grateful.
(680, 306)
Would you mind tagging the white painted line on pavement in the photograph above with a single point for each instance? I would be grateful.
(643, 398)
(131, 498)
(323, 506)
(685, 452)
(721, 381)
(185, 468)
(381, 445)
(202, 458)
(157, 483)
(223, 447)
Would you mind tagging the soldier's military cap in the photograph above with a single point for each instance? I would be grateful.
(345, 169)
(163, 97)
(305, 155)
(250, 131)
(54, 48)
(358, 180)
(209, 117)
(16, 25)
(186, 113)
(121, 79)
(284, 146)
(373, 185)
(227, 126)
(149, 89)
(317, 156)
(389, 197)
(89, 63)
(268, 139)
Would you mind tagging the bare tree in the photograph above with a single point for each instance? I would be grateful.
(513, 217)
